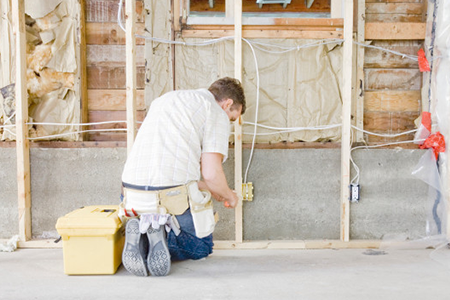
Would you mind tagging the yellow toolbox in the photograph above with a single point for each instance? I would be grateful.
(93, 239)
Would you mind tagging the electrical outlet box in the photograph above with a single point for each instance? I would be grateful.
(247, 191)
(354, 192)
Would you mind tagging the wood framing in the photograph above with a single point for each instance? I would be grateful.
(5, 46)
(395, 31)
(336, 8)
(346, 119)
(176, 15)
(258, 245)
(294, 28)
(110, 34)
(253, 245)
(229, 8)
(84, 113)
(113, 99)
(265, 34)
(301, 244)
(238, 122)
(22, 148)
(360, 37)
(130, 16)
(392, 100)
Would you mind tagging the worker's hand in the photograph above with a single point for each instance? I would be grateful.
(232, 202)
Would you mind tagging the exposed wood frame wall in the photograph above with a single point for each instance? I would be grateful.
(387, 31)
(22, 144)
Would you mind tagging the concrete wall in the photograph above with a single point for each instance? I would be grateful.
(296, 192)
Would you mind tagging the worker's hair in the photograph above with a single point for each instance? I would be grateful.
(229, 88)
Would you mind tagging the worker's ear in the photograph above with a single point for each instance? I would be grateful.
(226, 103)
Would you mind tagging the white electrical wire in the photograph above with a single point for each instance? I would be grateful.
(256, 110)
(285, 49)
(69, 133)
(385, 135)
(413, 57)
(80, 124)
(7, 126)
(319, 127)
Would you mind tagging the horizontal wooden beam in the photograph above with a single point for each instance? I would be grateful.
(395, 31)
(112, 77)
(392, 100)
(112, 55)
(110, 34)
(394, 8)
(392, 79)
(394, 1)
(380, 140)
(113, 99)
(304, 244)
(313, 22)
(110, 143)
(394, 18)
(262, 34)
(117, 116)
(62, 144)
(255, 245)
(376, 58)
(389, 122)
(215, 23)
(106, 11)
(292, 145)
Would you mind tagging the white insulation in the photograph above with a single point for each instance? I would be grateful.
(299, 88)
(53, 81)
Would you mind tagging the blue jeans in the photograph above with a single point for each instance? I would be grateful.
(187, 245)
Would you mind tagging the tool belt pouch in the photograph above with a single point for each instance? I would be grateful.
(201, 210)
(174, 200)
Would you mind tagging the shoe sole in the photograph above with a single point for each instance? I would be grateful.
(132, 259)
(158, 259)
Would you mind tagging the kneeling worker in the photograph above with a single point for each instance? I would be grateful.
(184, 137)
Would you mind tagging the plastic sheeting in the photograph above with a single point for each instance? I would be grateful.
(436, 100)
(52, 81)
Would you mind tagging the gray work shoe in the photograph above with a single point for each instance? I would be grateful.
(135, 249)
(158, 259)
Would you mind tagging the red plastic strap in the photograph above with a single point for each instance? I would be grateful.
(134, 212)
(126, 214)
(435, 141)
(426, 120)
(423, 62)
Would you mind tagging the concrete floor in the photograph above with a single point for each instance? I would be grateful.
(241, 274)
